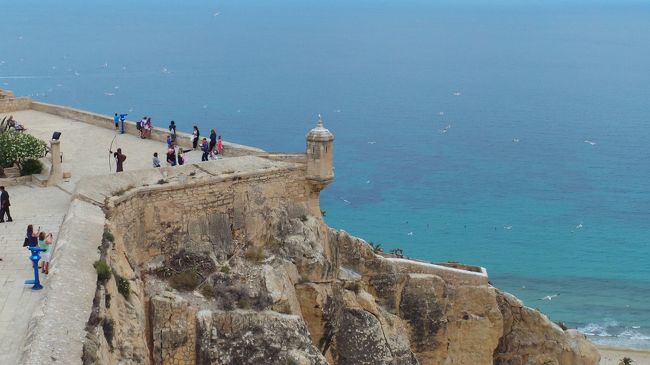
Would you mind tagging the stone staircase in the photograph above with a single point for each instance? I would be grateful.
(41, 179)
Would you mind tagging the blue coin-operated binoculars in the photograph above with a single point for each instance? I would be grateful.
(122, 118)
(35, 257)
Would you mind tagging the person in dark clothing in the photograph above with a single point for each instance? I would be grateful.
(4, 205)
(195, 137)
(213, 139)
(172, 130)
(181, 155)
(171, 157)
(31, 237)
(119, 159)
(205, 148)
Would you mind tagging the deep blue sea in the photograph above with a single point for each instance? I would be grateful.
(508, 134)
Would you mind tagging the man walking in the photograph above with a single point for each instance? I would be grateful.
(4, 205)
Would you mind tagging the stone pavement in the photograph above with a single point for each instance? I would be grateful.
(85, 147)
(85, 153)
(43, 207)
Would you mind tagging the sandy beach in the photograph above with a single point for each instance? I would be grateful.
(613, 355)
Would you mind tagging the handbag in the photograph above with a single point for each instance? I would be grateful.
(26, 243)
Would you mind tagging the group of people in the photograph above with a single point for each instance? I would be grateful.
(211, 150)
(176, 154)
(44, 241)
(211, 147)
(32, 237)
(145, 126)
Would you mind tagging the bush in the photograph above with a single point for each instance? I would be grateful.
(255, 254)
(376, 248)
(19, 147)
(562, 325)
(123, 286)
(103, 271)
(208, 291)
(185, 281)
(108, 236)
(225, 269)
(626, 361)
(31, 167)
(354, 286)
(397, 252)
(198, 262)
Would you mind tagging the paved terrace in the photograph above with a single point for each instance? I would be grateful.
(85, 153)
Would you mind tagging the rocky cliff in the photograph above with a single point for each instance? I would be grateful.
(244, 270)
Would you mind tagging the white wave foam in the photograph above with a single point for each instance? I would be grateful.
(634, 335)
(593, 329)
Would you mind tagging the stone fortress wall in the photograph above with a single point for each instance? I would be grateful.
(385, 309)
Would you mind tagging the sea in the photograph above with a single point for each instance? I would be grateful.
(513, 135)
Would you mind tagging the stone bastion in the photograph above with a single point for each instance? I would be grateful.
(231, 262)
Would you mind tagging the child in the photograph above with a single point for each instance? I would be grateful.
(44, 242)
(219, 147)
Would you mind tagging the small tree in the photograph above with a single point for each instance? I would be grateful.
(16, 148)
(626, 361)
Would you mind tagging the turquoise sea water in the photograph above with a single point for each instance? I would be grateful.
(427, 101)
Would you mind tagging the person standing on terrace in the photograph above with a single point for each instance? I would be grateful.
(172, 130)
(119, 159)
(213, 139)
(219, 147)
(195, 137)
(205, 148)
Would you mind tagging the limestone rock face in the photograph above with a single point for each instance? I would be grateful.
(283, 288)
(530, 338)
(247, 337)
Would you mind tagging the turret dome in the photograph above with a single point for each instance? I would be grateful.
(320, 133)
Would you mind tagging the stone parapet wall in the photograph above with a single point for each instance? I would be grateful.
(59, 325)
(157, 133)
(11, 104)
(451, 275)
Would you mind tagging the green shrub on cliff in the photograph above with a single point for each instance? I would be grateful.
(255, 254)
(123, 286)
(185, 281)
(103, 271)
(17, 148)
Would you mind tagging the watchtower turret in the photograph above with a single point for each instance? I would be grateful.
(320, 171)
